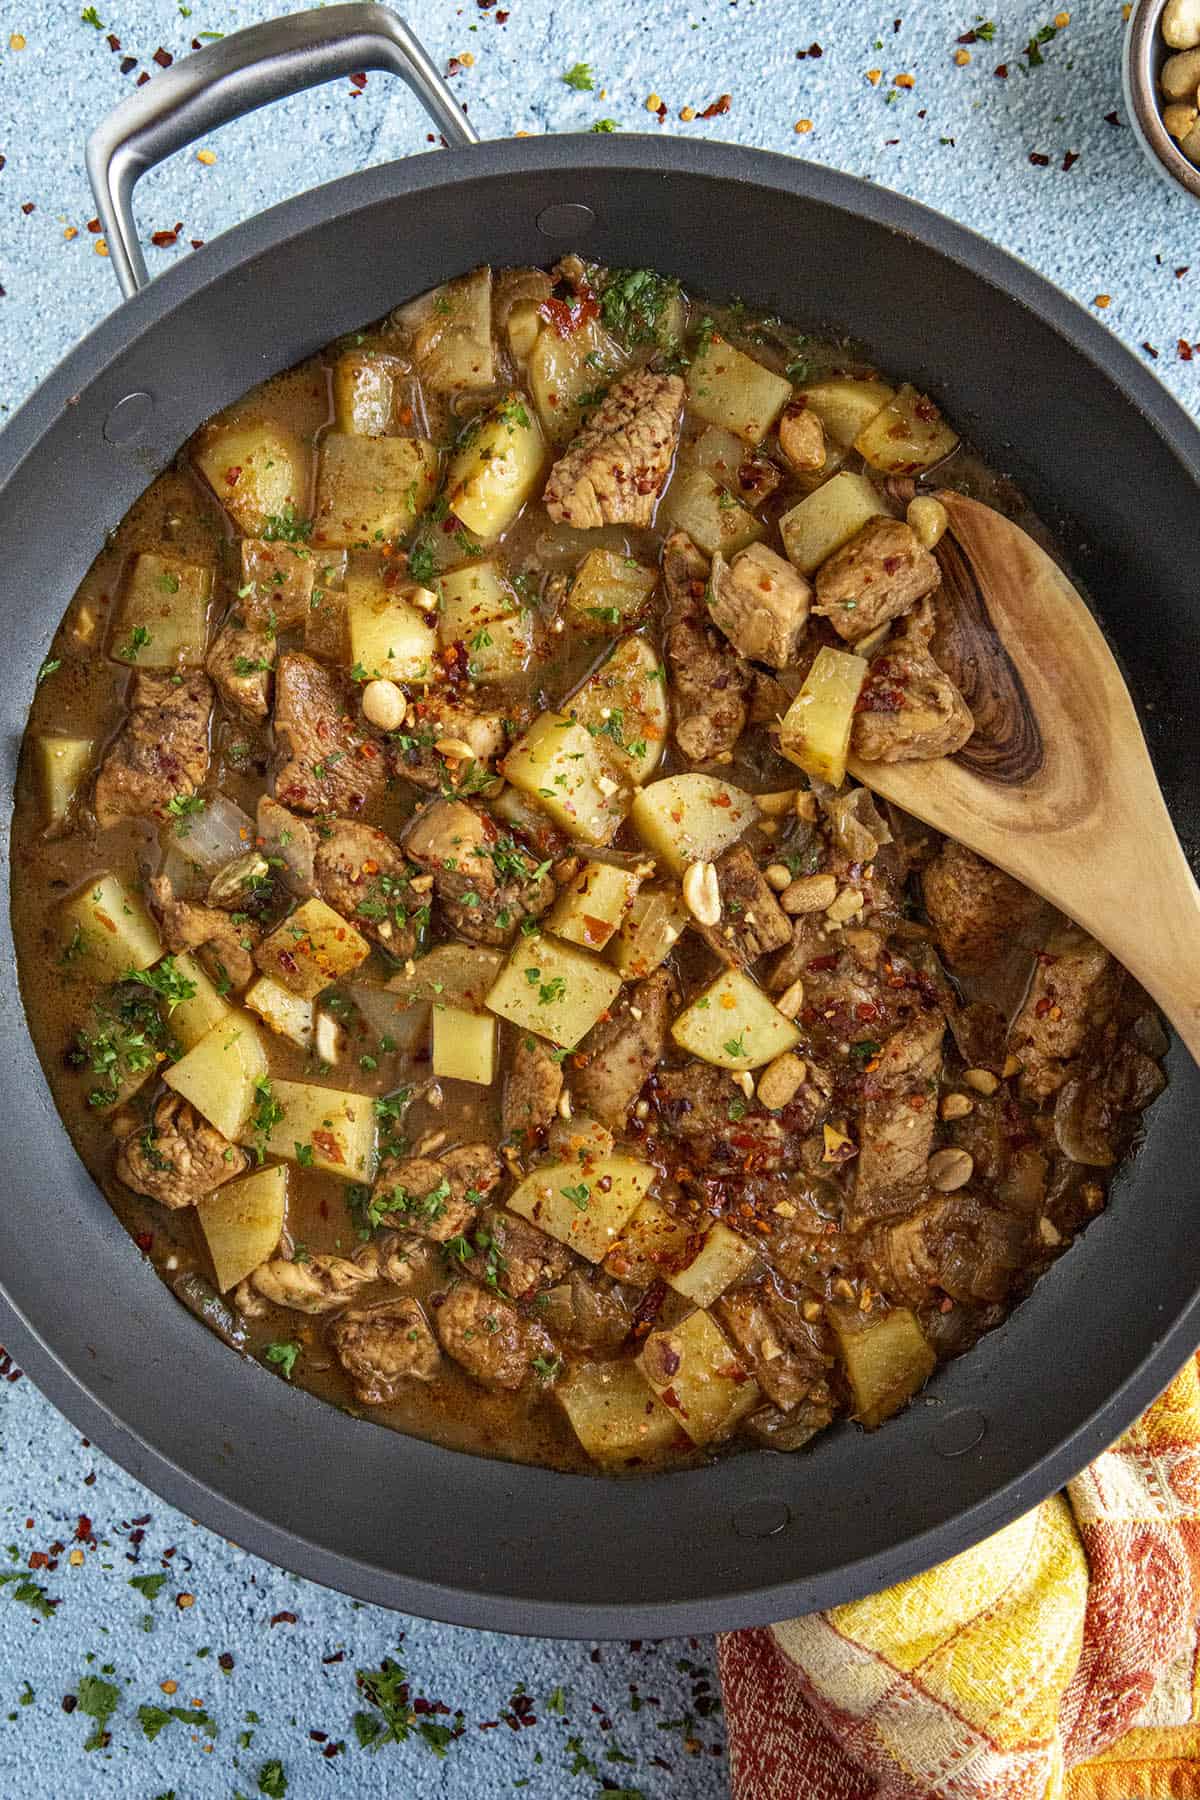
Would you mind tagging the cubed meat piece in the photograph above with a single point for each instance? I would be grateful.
(240, 663)
(329, 761)
(532, 1086)
(703, 1115)
(511, 1254)
(396, 1257)
(485, 1335)
(1073, 991)
(955, 1246)
(752, 921)
(436, 1197)
(911, 1057)
(909, 709)
(381, 1347)
(365, 877)
(277, 584)
(224, 943)
(486, 881)
(179, 1157)
(784, 1352)
(162, 750)
(710, 682)
(975, 909)
(472, 741)
(591, 1309)
(882, 572)
(624, 1049)
(318, 1285)
(613, 472)
(761, 603)
(895, 1135)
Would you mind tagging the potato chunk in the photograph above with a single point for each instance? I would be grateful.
(389, 637)
(844, 405)
(220, 1072)
(192, 1018)
(313, 947)
(480, 611)
(162, 619)
(371, 490)
(815, 731)
(553, 990)
(584, 1204)
(826, 520)
(259, 471)
(624, 707)
(733, 1025)
(451, 334)
(609, 593)
(691, 818)
(729, 388)
(557, 764)
(709, 514)
(105, 931)
(242, 1223)
(566, 371)
(908, 436)
(62, 764)
(887, 1358)
(693, 1370)
(287, 1014)
(367, 390)
(464, 1045)
(615, 1413)
(320, 1127)
(722, 1259)
(653, 1246)
(590, 908)
(496, 468)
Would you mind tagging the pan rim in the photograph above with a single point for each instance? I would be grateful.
(1011, 278)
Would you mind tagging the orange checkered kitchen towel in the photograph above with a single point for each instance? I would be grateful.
(1059, 1660)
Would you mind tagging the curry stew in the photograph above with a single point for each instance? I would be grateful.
(449, 933)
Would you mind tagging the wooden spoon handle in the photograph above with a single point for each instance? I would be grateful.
(1056, 785)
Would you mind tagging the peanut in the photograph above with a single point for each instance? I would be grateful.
(950, 1169)
(781, 1081)
(383, 705)
(702, 893)
(809, 893)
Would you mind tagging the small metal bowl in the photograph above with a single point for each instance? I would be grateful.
(1144, 56)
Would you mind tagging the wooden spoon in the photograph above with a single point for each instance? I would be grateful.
(1056, 785)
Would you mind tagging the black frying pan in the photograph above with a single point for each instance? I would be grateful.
(1111, 462)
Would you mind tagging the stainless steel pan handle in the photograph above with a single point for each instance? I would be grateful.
(240, 74)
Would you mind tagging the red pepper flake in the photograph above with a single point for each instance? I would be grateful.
(83, 1530)
(720, 105)
(226, 1660)
(284, 1618)
(114, 42)
(142, 79)
(127, 63)
(502, 18)
(813, 50)
(1001, 71)
(163, 58)
(358, 80)
(337, 1657)
(1112, 119)
(144, 1240)
(197, 243)
(1038, 160)
(162, 240)
(1149, 349)
(1185, 350)
(968, 37)
(69, 1703)
(28, 206)
(1069, 161)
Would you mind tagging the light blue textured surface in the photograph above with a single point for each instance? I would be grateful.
(962, 142)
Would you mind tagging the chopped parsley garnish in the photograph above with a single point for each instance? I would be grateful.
(604, 125)
(863, 1051)
(165, 979)
(167, 582)
(395, 1719)
(258, 665)
(48, 668)
(272, 1781)
(608, 615)
(139, 638)
(183, 807)
(547, 1368)
(284, 1355)
(513, 414)
(578, 1195)
(421, 565)
(736, 1046)
(265, 1115)
(98, 1699)
(286, 527)
(633, 302)
(579, 77)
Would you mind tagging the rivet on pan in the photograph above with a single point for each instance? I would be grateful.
(959, 1432)
(128, 418)
(569, 219)
(761, 1518)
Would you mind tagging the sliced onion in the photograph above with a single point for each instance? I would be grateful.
(1083, 1124)
(214, 836)
(857, 825)
(387, 1015)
